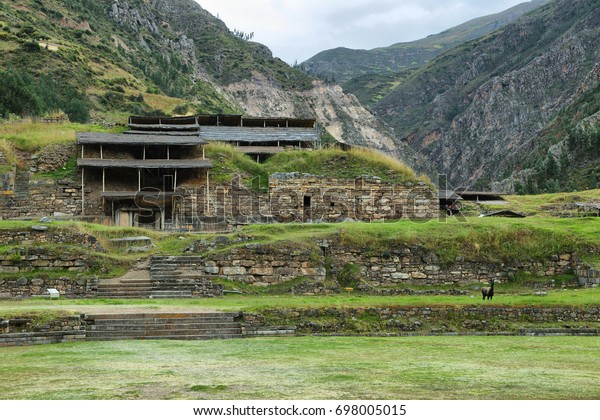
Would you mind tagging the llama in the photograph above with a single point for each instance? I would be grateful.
(488, 291)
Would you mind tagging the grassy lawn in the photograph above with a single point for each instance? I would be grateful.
(307, 368)
(32, 136)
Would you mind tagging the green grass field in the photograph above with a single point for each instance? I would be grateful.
(307, 368)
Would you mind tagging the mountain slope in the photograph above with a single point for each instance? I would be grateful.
(489, 108)
(343, 64)
(122, 57)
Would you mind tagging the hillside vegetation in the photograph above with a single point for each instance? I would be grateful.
(108, 59)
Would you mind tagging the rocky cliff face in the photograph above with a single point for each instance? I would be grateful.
(340, 114)
(480, 111)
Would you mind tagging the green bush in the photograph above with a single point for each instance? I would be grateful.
(349, 275)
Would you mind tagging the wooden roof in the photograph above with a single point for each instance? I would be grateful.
(258, 134)
(163, 133)
(182, 121)
(448, 195)
(261, 150)
(228, 120)
(146, 164)
(164, 127)
(150, 139)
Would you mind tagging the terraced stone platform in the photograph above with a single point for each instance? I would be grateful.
(176, 326)
(167, 277)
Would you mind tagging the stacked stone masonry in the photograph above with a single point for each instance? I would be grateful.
(260, 264)
(483, 319)
(290, 198)
(304, 197)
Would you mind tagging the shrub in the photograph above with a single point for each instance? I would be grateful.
(349, 275)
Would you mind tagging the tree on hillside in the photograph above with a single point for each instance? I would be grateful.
(17, 95)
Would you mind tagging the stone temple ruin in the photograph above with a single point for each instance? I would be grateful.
(156, 175)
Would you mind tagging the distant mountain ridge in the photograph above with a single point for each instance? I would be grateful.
(342, 64)
(516, 110)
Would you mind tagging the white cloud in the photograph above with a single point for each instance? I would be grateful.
(297, 30)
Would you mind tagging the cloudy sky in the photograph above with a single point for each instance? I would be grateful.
(299, 29)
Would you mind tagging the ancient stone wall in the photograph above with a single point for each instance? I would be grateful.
(261, 264)
(43, 258)
(417, 266)
(475, 319)
(23, 332)
(303, 197)
(45, 197)
(588, 276)
(32, 237)
(23, 287)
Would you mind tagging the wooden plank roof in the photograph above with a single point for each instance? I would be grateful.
(261, 150)
(146, 164)
(163, 133)
(182, 121)
(165, 127)
(258, 134)
(229, 120)
(150, 139)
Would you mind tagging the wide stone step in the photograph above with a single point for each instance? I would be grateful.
(113, 324)
(162, 332)
(166, 315)
(126, 282)
(143, 293)
(126, 287)
(165, 294)
(164, 267)
(176, 259)
(173, 337)
(175, 285)
(166, 277)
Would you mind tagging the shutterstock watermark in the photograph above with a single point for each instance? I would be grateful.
(307, 203)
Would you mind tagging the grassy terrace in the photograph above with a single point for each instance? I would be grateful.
(483, 239)
(570, 297)
(32, 136)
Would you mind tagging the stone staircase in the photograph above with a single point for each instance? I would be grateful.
(125, 288)
(180, 276)
(21, 188)
(163, 277)
(174, 326)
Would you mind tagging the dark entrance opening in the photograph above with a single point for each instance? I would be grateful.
(307, 201)
(307, 212)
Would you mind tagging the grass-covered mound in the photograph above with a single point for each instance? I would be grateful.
(331, 162)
